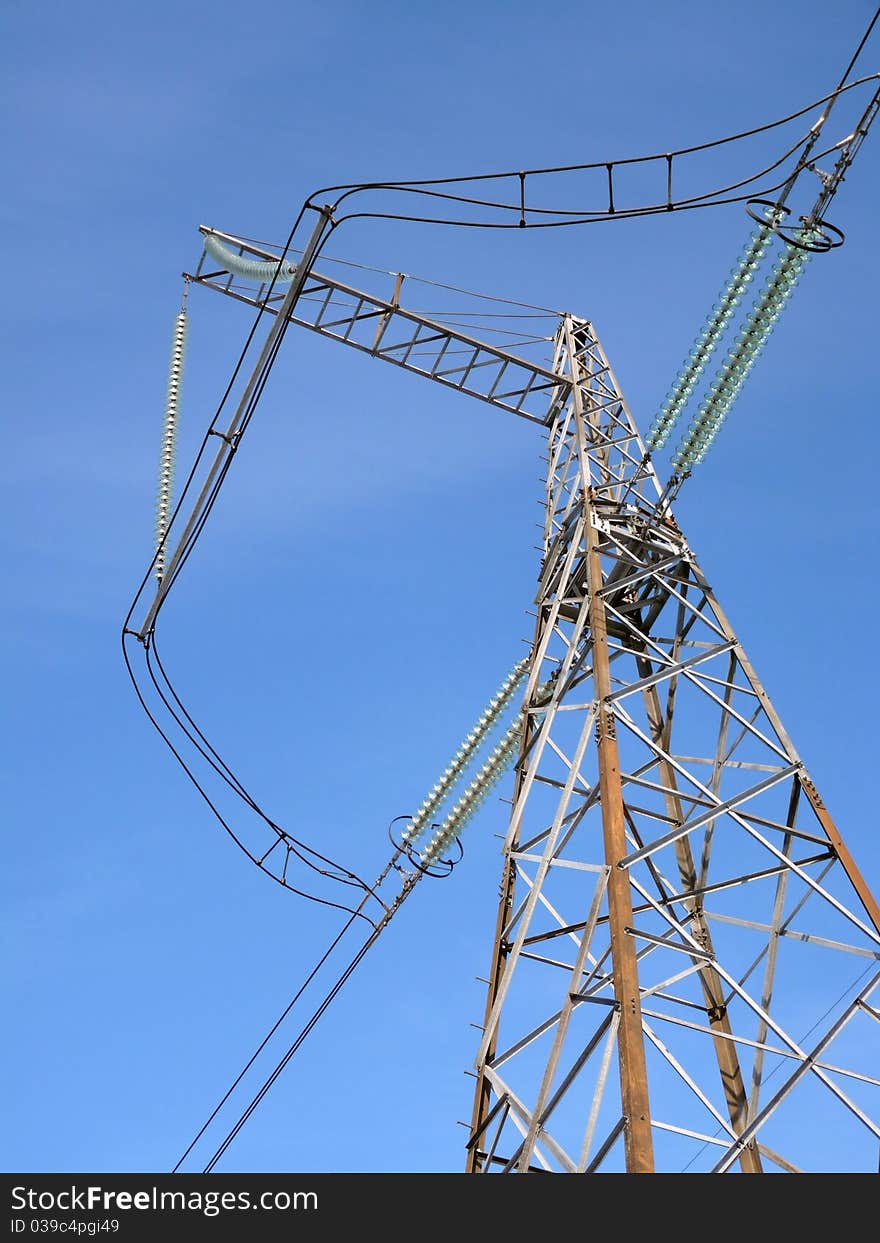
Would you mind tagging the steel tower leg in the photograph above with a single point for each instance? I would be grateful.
(673, 889)
(630, 1037)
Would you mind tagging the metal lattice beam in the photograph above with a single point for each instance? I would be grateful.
(385, 329)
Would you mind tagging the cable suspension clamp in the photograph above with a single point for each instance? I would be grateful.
(815, 236)
(231, 439)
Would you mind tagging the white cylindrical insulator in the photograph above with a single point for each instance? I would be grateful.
(169, 438)
(740, 278)
(469, 802)
(465, 753)
(262, 270)
(753, 337)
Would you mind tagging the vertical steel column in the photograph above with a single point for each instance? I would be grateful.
(638, 1144)
(483, 1092)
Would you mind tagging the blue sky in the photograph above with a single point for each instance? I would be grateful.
(362, 586)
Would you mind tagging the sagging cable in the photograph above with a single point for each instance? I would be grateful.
(169, 435)
(262, 270)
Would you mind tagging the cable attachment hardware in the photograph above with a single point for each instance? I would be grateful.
(816, 236)
(436, 867)
(231, 439)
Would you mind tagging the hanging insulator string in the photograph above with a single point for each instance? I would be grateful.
(497, 762)
(741, 276)
(169, 435)
(748, 345)
(466, 807)
(438, 794)
(766, 310)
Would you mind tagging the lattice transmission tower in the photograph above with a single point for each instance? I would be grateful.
(686, 958)
(672, 881)
(671, 877)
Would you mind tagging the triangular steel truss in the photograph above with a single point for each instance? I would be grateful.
(686, 955)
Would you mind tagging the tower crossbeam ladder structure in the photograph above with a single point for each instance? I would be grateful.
(685, 955)
(382, 327)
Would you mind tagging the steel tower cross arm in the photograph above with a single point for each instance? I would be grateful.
(383, 328)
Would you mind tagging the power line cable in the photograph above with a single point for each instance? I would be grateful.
(261, 1046)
